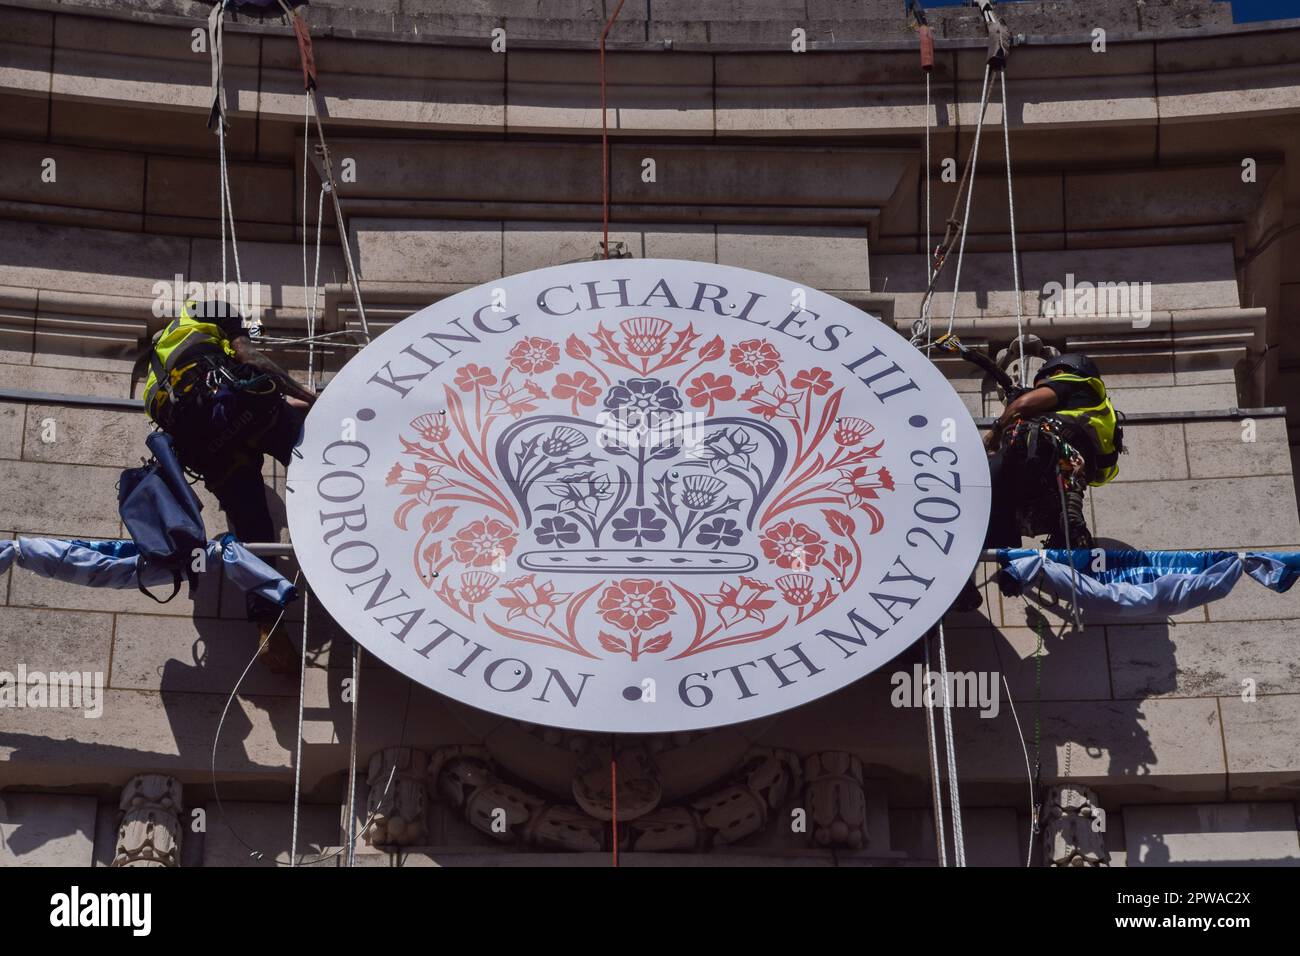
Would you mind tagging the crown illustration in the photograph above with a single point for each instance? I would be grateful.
(641, 486)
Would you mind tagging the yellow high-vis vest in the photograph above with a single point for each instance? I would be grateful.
(178, 347)
(1099, 421)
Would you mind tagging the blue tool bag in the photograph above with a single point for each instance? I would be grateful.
(163, 515)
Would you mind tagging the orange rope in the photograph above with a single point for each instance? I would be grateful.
(604, 145)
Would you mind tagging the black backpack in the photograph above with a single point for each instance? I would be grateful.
(163, 515)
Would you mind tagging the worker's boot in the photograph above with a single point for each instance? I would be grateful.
(1080, 536)
(276, 652)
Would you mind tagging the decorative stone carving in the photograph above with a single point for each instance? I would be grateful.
(737, 810)
(150, 832)
(565, 828)
(397, 799)
(836, 801)
(666, 830)
(639, 790)
(1074, 828)
(465, 779)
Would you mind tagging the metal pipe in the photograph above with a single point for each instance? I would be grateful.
(135, 405)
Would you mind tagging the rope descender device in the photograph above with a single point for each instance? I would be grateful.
(999, 35)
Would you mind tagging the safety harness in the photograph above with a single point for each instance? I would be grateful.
(189, 359)
(1097, 425)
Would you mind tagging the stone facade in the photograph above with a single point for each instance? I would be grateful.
(1173, 158)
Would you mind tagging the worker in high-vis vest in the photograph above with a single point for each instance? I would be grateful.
(1064, 426)
(226, 405)
(1048, 446)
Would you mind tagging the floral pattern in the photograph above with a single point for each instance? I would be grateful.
(649, 443)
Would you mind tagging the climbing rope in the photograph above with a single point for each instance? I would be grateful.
(970, 194)
(350, 847)
(1015, 257)
(349, 807)
(954, 228)
(228, 213)
(311, 299)
(307, 60)
(1074, 571)
(932, 745)
(1033, 806)
(297, 755)
(218, 114)
(954, 791)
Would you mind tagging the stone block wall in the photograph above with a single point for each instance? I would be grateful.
(470, 169)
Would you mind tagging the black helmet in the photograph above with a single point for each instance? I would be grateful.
(1074, 362)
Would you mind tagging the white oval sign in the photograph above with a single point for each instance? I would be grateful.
(638, 495)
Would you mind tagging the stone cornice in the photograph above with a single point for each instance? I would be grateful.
(407, 29)
(834, 90)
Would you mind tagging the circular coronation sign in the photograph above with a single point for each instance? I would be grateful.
(638, 495)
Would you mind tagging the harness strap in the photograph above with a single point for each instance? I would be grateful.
(161, 377)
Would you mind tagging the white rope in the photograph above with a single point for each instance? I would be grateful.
(932, 745)
(954, 793)
(230, 211)
(297, 758)
(315, 292)
(221, 721)
(970, 193)
(1033, 825)
(349, 808)
(304, 340)
(307, 304)
(1015, 257)
(221, 196)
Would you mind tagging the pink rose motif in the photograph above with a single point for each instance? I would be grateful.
(792, 544)
(481, 542)
(636, 604)
(755, 357)
(534, 355)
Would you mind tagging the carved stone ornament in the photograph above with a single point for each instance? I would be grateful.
(836, 801)
(464, 778)
(150, 831)
(639, 789)
(397, 802)
(1074, 828)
